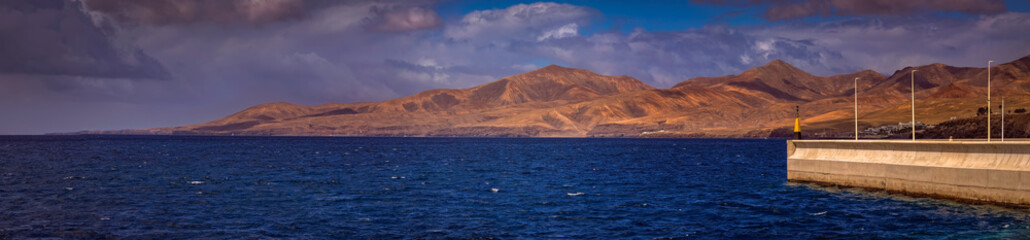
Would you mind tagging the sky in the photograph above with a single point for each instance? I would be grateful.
(71, 65)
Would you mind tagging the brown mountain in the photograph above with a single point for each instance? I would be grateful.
(942, 93)
(780, 80)
(493, 109)
(549, 86)
(567, 102)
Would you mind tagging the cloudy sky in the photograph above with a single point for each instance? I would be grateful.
(69, 65)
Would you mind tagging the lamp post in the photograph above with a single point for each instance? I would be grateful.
(1003, 118)
(989, 100)
(856, 109)
(913, 74)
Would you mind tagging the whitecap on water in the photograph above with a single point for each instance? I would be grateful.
(574, 194)
(196, 182)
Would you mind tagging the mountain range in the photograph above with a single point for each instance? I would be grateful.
(556, 101)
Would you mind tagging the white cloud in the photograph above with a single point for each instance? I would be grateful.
(745, 59)
(428, 63)
(519, 22)
(764, 45)
(568, 30)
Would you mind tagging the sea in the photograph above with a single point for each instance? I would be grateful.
(223, 187)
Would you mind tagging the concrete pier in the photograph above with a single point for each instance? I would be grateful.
(992, 172)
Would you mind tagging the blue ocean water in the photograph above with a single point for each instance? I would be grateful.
(133, 187)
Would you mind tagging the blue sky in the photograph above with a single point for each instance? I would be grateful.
(649, 15)
(656, 15)
(143, 64)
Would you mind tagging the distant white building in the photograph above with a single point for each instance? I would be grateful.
(889, 129)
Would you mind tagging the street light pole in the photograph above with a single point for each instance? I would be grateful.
(856, 109)
(913, 74)
(1002, 118)
(989, 100)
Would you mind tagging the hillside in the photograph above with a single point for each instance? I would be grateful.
(1016, 126)
(555, 101)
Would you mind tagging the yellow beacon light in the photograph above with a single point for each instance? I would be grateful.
(797, 122)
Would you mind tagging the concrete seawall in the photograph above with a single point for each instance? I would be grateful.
(994, 172)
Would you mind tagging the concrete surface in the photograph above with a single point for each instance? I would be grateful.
(993, 172)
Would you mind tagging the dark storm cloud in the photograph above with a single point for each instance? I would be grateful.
(57, 37)
(165, 12)
(785, 10)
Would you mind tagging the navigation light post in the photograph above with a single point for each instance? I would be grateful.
(989, 100)
(913, 74)
(856, 108)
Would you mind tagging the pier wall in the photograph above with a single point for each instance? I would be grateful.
(995, 172)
